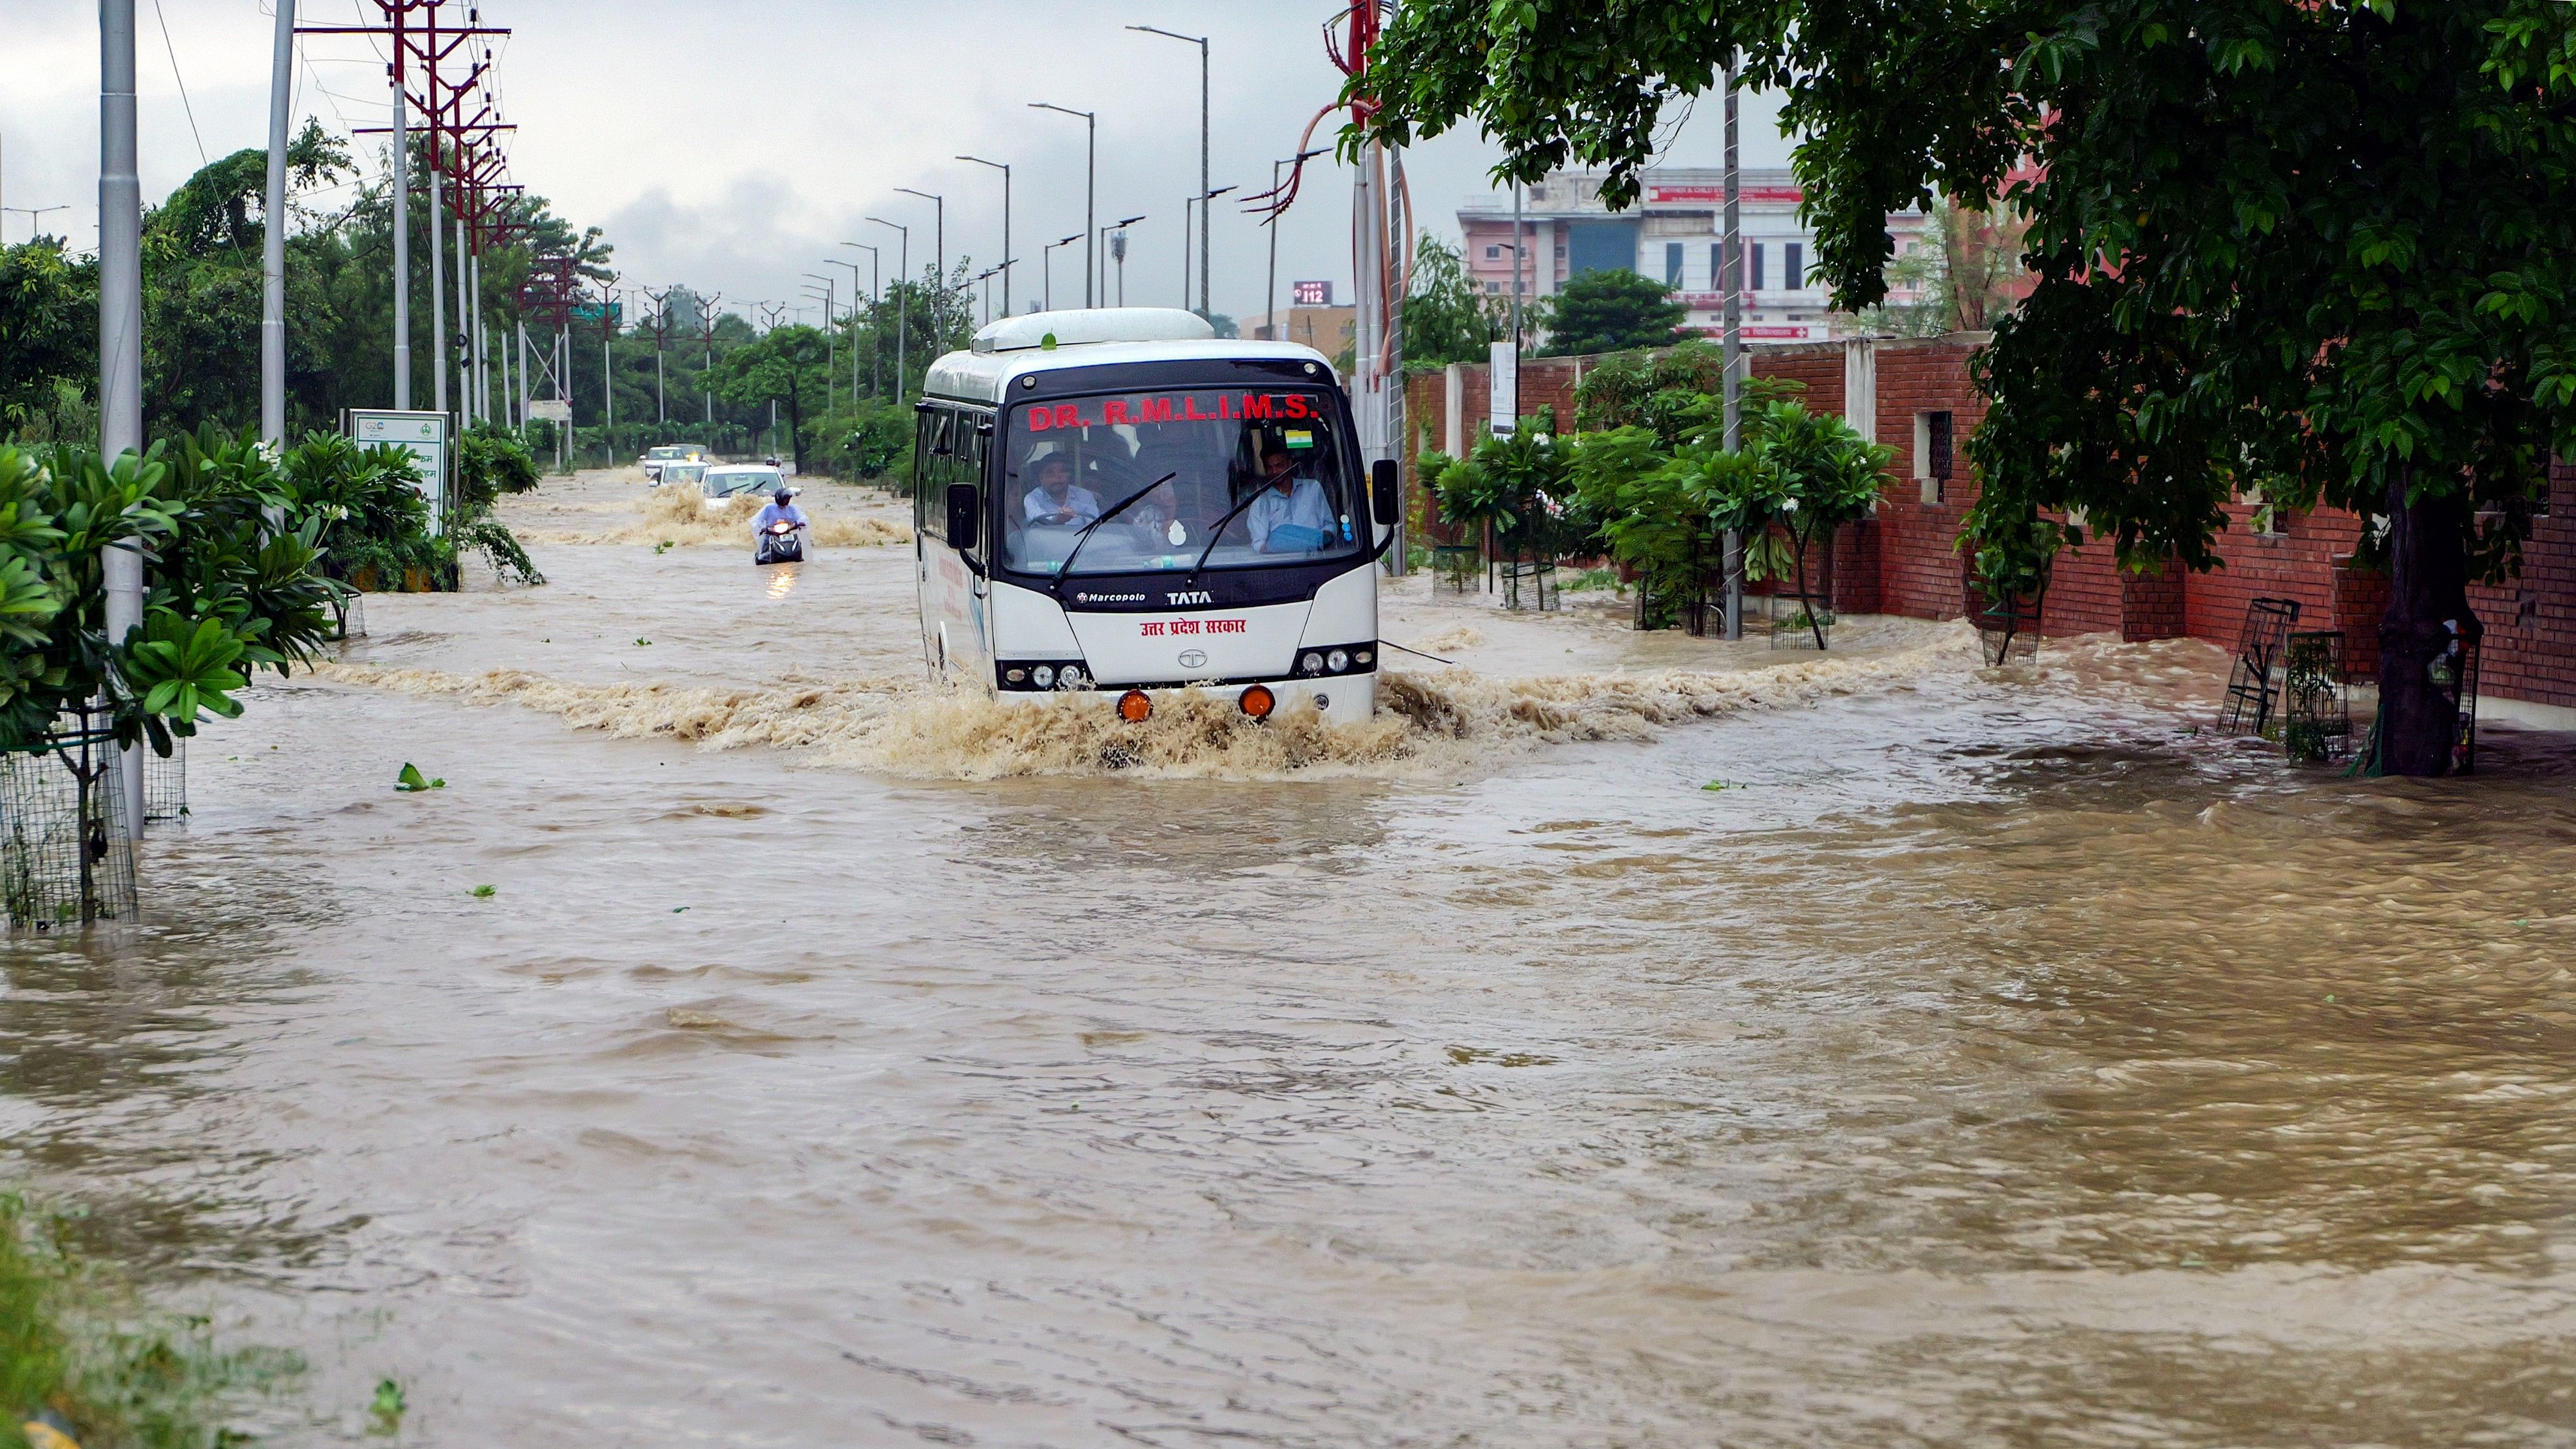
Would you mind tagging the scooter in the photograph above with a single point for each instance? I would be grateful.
(780, 542)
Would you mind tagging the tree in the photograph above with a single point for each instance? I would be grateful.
(786, 365)
(1612, 310)
(2316, 249)
(1446, 319)
(48, 333)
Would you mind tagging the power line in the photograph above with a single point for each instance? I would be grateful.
(202, 158)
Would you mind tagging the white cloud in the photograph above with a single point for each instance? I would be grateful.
(733, 146)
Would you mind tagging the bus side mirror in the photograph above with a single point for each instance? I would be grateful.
(961, 517)
(1386, 497)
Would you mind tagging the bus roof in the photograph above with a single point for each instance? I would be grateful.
(1008, 349)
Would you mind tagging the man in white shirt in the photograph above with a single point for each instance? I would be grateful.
(1056, 500)
(1288, 501)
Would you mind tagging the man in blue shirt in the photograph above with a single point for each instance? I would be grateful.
(776, 508)
(1292, 515)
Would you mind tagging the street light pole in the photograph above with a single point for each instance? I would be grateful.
(1201, 42)
(120, 338)
(831, 338)
(939, 221)
(272, 248)
(875, 278)
(902, 301)
(1006, 226)
(1046, 264)
(1090, 185)
(1733, 357)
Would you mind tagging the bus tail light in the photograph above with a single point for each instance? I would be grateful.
(1135, 706)
(1258, 701)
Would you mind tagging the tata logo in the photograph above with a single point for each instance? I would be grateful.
(1193, 659)
(1189, 596)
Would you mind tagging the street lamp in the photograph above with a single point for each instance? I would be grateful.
(1201, 42)
(902, 301)
(1270, 289)
(1201, 200)
(35, 216)
(939, 245)
(831, 339)
(1090, 184)
(1006, 227)
(874, 278)
(1046, 264)
(851, 317)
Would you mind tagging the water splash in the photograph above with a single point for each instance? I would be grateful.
(1441, 723)
(682, 517)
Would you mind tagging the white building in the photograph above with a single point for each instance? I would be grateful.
(1672, 235)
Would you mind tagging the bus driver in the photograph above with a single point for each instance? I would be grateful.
(1056, 500)
(1291, 516)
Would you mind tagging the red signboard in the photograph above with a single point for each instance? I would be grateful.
(1755, 195)
(1179, 408)
(1311, 294)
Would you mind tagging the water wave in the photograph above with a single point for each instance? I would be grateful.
(1442, 722)
(680, 517)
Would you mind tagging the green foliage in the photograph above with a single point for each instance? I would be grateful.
(869, 442)
(74, 1348)
(787, 365)
(48, 337)
(2317, 249)
(1446, 318)
(491, 461)
(1612, 310)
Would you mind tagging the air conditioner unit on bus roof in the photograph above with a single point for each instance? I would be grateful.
(1093, 325)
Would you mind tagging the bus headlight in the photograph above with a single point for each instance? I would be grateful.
(1070, 677)
(1337, 661)
(1043, 676)
(1312, 662)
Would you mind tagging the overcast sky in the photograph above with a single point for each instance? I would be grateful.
(731, 144)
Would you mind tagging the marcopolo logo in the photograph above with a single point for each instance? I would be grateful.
(1108, 598)
(1189, 596)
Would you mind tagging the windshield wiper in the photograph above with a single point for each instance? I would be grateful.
(1219, 531)
(1066, 568)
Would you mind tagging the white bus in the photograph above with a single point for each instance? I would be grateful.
(1114, 503)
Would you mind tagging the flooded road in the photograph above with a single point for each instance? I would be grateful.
(1994, 1059)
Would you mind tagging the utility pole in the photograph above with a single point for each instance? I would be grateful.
(1006, 229)
(1118, 253)
(272, 244)
(1733, 357)
(1090, 189)
(402, 224)
(707, 331)
(902, 303)
(120, 337)
(1201, 42)
(661, 335)
(607, 377)
(875, 298)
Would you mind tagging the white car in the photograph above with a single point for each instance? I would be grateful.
(734, 480)
(655, 457)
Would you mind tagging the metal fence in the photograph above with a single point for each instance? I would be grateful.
(64, 857)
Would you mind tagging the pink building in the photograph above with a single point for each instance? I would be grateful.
(1672, 235)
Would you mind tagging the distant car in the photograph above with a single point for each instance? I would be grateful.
(684, 472)
(655, 457)
(736, 480)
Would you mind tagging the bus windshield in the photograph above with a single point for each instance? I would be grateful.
(1259, 473)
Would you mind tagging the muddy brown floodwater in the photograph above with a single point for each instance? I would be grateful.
(1995, 1060)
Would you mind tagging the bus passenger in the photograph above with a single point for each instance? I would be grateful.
(1056, 500)
(1292, 512)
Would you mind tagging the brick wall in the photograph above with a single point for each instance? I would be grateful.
(1905, 560)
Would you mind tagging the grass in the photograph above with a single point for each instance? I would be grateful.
(1593, 579)
(79, 1354)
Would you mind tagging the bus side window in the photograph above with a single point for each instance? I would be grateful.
(970, 449)
(928, 512)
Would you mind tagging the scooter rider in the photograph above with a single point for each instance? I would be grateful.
(776, 508)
